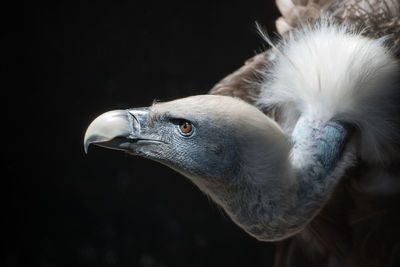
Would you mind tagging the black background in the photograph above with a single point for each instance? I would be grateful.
(66, 62)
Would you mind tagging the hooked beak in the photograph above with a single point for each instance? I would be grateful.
(116, 129)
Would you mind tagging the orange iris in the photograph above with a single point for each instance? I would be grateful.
(185, 127)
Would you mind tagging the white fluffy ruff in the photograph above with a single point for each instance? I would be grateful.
(326, 71)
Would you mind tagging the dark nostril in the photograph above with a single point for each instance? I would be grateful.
(137, 117)
(134, 117)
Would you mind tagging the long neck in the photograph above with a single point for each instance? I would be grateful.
(275, 210)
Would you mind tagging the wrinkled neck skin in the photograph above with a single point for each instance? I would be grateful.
(275, 207)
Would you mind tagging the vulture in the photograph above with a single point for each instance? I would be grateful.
(300, 146)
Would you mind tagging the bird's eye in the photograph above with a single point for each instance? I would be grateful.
(186, 128)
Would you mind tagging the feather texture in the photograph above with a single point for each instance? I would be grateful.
(332, 72)
(359, 225)
(376, 17)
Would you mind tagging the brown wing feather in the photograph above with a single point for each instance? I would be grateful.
(241, 83)
(295, 11)
(376, 17)
(244, 83)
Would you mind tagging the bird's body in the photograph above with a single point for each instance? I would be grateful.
(318, 170)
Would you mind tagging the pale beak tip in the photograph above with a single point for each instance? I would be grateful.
(88, 140)
(106, 127)
(86, 146)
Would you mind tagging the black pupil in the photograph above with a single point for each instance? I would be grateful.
(185, 127)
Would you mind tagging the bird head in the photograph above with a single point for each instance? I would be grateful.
(210, 139)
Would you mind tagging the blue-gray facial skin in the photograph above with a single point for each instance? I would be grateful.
(206, 151)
